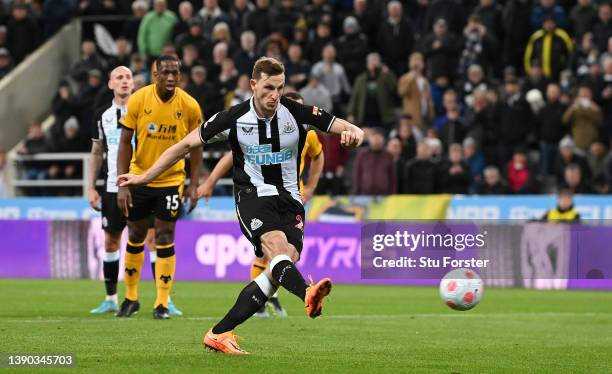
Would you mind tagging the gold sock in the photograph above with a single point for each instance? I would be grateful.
(257, 268)
(134, 258)
(165, 267)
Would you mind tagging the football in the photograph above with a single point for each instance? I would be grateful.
(461, 289)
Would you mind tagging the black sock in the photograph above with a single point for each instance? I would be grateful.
(290, 277)
(111, 273)
(250, 299)
(153, 270)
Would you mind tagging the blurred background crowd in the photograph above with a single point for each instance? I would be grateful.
(462, 97)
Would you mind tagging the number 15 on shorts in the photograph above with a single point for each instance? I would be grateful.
(172, 202)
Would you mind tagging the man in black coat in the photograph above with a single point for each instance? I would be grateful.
(419, 174)
(395, 38)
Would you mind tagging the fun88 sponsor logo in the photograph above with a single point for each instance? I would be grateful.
(263, 155)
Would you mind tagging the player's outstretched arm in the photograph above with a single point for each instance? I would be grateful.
(170, 156)
(224, 165)
(351, 136)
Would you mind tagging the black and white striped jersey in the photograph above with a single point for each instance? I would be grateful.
(266, 151)
(108, 132)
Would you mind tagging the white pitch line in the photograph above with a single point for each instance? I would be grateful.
(466, 314)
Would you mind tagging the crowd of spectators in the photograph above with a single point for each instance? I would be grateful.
(473, 96)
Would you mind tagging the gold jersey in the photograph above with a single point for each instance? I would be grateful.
(312, 148)
(157, 126)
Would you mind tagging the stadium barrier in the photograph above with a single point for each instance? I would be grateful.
(15, 171)
(595, 208)
(532, 255)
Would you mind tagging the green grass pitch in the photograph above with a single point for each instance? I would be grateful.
(363, 329)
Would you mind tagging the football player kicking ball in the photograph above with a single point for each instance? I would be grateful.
(312, 148)
(266, 135)
(158, 116)
(106, 141)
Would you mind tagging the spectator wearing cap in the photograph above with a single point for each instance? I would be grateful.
(453, 11)
(352, 48)
(479, 47)
(584, 118)
(520, 176)
(419, 173)
(453, 175)
(333, 77)
(185, 12)
(296, 68)
(260, 20)
(569, 155)
(583, 17)
(23, 33)
(516, 26)
(314, 47)
(515, 121)
(5, 62)
(395, 38)
(493, 182)
(131, 26)
(550, 45)
(245, 57)
(374, 171)
(315, 93)
(414, 90)
(155, 29)
(594, 79)
(441, 49)
(602, 31)
(373, 97)
(550, 128)
(90, 60)
(195, 37)
(210, 15)
(574, 181)
(548, 9)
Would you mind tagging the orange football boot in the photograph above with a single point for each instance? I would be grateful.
(314, 297)
(224, 343)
